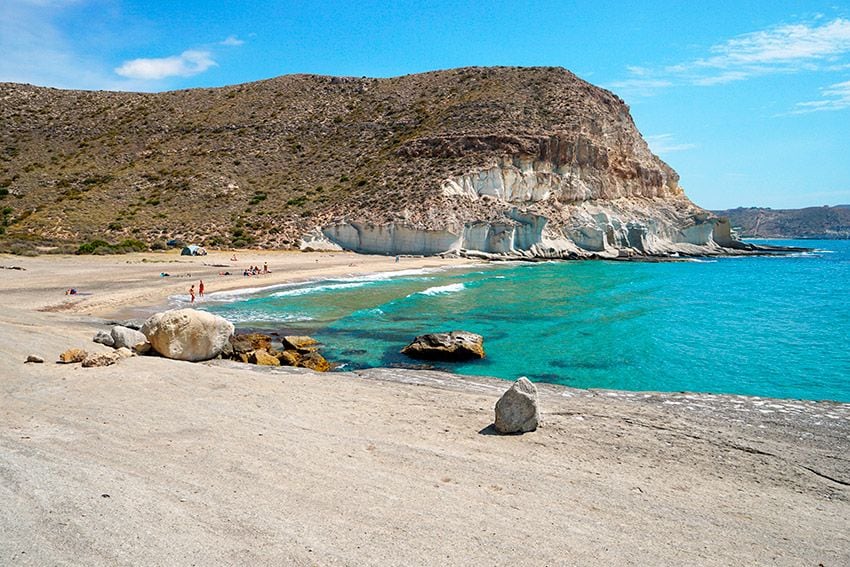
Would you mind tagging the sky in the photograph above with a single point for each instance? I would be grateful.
(749, 100)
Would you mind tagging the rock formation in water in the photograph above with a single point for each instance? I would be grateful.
(516, 162)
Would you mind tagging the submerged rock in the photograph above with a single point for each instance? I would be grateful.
(517, 410)
(456, 345)
(188, 334)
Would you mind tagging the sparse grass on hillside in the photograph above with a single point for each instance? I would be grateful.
(260, 163)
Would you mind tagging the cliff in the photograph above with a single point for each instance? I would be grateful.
(477, 161)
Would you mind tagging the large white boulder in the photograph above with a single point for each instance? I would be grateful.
(188, 334)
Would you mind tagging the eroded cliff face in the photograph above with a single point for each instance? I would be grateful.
(566, 195)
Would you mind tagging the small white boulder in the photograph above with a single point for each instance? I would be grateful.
(516, 410)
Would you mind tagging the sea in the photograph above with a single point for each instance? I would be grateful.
(770, 326)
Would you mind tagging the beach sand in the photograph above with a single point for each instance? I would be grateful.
(159, 462)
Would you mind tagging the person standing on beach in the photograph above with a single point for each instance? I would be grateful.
(192, 293)
(201, 289)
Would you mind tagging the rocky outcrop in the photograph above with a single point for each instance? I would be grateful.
(98, 359)
(314, 361)
(188, 334)
(517, 410)
(452, 346)
(262, 357)
(301, 343)
(72, 355)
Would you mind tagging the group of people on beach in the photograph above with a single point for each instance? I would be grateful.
(249, 271)
(255, 270)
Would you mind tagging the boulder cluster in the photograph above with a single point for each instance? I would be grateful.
(191, 335)
(257, 348)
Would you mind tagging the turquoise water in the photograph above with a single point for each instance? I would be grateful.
(765, 326)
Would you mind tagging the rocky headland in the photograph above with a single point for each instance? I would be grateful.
(817, 223)
(488, 162)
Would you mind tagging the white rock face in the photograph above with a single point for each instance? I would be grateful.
(395, 238)
(603, 229)
(188, 334)
(526, 180)
(315, 241)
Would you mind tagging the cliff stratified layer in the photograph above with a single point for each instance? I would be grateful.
(504, 161)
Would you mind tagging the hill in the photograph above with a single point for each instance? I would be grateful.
(528, 161)
(822, 223)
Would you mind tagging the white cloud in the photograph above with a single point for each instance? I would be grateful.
(186, 64)
(665, 144)
(782, 44)
(38, 51)
(231, 40)
(817, 45)
(836, 97)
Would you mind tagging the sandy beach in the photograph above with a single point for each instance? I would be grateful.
(159, 462)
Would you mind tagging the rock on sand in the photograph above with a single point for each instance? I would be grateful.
(188, 334)
(516, 410)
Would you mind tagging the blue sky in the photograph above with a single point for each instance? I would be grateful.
(748, 100)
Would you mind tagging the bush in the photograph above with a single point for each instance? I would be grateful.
(92, 247)
(159, 245)
(102, 247)
(132, 245)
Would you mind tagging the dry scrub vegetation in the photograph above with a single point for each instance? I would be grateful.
(258, 164)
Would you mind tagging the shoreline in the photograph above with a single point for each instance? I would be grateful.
(107, 301)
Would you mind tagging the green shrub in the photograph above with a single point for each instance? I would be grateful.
(132, 245)
(91, 247)
(102, 247)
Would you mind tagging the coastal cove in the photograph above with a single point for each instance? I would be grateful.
(225, 462)
(767, 326)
